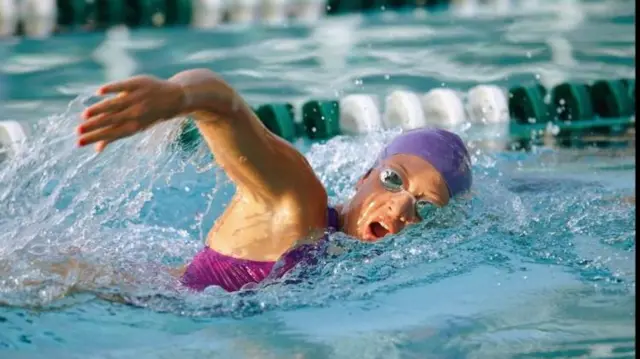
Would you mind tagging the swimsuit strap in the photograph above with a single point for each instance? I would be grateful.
(333, 222)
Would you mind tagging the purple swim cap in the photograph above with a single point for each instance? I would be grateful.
(444, 150)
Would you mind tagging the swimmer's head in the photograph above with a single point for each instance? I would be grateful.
(418, 172)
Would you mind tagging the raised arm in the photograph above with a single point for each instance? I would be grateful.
(255, 159)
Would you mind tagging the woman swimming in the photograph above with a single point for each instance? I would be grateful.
(279, 212)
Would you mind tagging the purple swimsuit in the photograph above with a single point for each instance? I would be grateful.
(209, 267)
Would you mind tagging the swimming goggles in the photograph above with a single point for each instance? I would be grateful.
(392, 182)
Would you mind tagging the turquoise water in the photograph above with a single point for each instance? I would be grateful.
(541, 263)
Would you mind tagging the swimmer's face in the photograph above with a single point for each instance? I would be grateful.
(398, 192)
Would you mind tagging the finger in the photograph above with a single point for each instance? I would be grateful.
(120, 86)
(108, 134)
(114, 104)
(100, 121)
(101, 145)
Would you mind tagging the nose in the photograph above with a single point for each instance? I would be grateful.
(401, 211)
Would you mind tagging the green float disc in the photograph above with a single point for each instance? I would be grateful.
(72, 13)
(321, 119)
(110, 13)
(399, 4)
(435, 4)
(146, 13)
(189, 136)
(631, 91)
(179, 12)
(278, 118)
(374, 5)
(572, 102)
(344, 6)
(526, 104)
(611, 99)
(524, 131)
(300, 129)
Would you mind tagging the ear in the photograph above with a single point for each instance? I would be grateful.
(363, 178)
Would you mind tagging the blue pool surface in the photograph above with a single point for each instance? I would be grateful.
(540, 263)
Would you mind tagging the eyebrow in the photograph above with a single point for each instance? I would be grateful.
(432, 196)
(404, 170)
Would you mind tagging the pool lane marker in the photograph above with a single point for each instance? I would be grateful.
(44, 17)
(9, 16)
(487, 104)
(403, 109)
(359, 114)
(38, 17)
(570, 109)
(307, 11)
(274, 11)
(243, 11)
(208, 13)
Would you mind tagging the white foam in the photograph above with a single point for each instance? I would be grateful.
(114, 56)
(12, 137)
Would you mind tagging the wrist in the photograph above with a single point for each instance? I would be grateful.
(201, 90)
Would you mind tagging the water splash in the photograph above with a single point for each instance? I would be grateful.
(140, 205)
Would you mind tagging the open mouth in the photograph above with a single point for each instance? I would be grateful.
(378, 230)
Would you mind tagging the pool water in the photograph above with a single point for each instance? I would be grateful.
(539, 263)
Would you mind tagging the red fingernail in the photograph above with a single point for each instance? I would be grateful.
(82, 143)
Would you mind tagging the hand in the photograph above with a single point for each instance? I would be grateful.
(141, 102)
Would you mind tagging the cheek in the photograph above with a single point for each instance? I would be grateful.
(368, 197)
